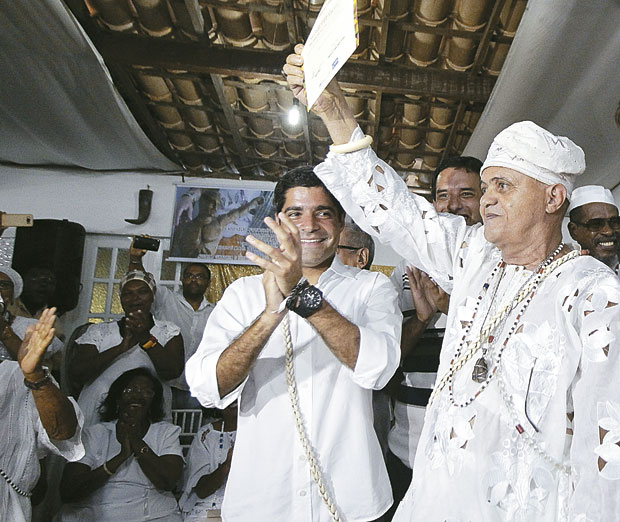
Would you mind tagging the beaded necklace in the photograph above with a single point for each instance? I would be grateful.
(526, 292)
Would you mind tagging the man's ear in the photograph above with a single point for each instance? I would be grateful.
(571, 230)
(362, 257)
(555, 197)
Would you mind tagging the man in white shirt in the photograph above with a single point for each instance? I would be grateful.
(302, 374)
(188, 309)
(594, 223)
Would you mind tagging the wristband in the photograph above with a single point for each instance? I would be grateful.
(354, 146)
(37, 385)
(152, 341)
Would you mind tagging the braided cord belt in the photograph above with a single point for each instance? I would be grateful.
(17, 489)
(315, 471)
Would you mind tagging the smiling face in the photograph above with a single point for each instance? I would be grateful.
(458, 192)
(137, 396)
(602, 243)
(512, 207)
(318, 221)
(136, 295)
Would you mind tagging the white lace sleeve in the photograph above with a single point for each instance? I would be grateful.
(595, 449)
(94, 335)
(380, 203)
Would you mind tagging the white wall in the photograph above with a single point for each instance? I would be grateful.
(101, 202)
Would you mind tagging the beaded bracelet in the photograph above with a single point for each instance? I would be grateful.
(351, 147)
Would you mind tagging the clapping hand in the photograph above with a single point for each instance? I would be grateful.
(38, 337)
(282, 265)
(428, 298)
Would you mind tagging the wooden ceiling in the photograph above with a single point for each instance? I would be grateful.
(203, 77)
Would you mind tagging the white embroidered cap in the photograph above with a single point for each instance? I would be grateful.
(535, 152)
(591, 194)
(18, 282)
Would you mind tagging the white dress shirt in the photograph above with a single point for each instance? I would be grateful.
(173, 307)
(558, 372)
(270, 477)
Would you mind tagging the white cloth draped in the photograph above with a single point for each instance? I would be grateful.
(207, 453)
(562, 364)
(105, 336)
(270, 476)
(24, 442)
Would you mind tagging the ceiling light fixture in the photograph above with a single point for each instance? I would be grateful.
(293, 115)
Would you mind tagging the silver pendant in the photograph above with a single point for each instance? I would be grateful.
(480, 371)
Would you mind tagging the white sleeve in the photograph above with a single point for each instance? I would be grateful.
(595, 448)
(233, 315)
(380, 328)
(378, 200)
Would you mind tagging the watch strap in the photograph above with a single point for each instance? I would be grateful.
(37, 385)
(152, 341)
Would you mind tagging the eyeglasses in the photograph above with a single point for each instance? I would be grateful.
(139, 391)
(598, 224)
(347, 247)
(196, 277)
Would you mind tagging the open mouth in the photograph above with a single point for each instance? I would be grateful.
(312, 241)
(606, 244)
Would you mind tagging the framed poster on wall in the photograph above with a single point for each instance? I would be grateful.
(210, 223)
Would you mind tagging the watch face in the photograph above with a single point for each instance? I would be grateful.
(312, 298)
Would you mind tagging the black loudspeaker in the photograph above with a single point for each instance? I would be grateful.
(57, 245)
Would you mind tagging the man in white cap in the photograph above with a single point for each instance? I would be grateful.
(594, 223)
(523, 422)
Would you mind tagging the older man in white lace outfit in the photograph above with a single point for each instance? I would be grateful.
(524, 420)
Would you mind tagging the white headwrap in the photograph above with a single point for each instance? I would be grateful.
(18, 282)
(535, 152)
(591, 194)
(139, 275)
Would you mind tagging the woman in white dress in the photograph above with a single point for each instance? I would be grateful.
(133, 460)
(107, 350)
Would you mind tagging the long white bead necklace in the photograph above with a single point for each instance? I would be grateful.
(527, 292)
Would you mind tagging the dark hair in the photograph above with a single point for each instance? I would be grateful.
(303, 176)
(108, 410)
(361, 239)
(468, 163)
(201, 265)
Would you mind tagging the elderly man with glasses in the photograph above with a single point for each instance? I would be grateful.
(355, 247)
(594, 223)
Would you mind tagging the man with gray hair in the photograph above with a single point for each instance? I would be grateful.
(594, 223)
(355, 247)
(523, 420)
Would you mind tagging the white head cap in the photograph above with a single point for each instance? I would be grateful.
(591, 194)
(18, 282)
(535, 152)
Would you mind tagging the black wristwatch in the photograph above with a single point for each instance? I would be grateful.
(305, 300)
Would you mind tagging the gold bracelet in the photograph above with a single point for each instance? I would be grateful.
(351, 147)
(106, 469)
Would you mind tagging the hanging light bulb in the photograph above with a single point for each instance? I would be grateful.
(293, 115)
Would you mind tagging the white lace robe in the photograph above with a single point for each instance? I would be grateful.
(561, 366)
(23, 441)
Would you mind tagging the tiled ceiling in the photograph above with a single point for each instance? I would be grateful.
(203, 79)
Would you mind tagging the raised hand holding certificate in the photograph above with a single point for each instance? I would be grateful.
(331, 42)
